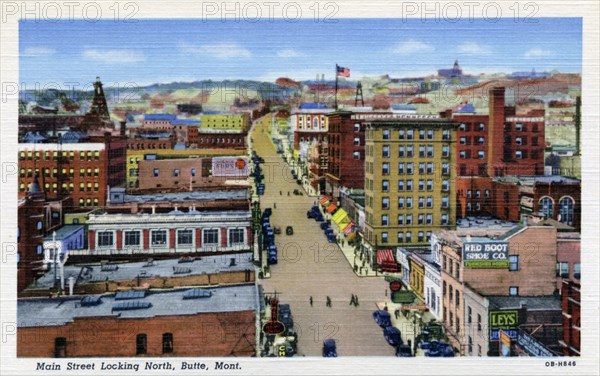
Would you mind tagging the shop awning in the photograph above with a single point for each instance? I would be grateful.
(324, 201)
(341, 217)
(348, 228)
(385, 256)
(331, 208)
(351, 236)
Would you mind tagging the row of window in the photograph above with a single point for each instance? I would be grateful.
(156, 172)
(29, 172)
(407, 185)
(521, 127)
(159, 238)
(409, 168)
(562, 270)
(407, 219)
(406, 237)
(566, 208)
(467, 127)
(466, 154)
(425, 151)
(409, 134)
(53, 155)
(467, 141)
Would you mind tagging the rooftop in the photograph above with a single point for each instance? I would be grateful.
(60, 311)
(95, 272)
(160, 117)
(185, 122)
(532, 302)
(228, 195)
(484, 223)
(64, 232)
(531, 180)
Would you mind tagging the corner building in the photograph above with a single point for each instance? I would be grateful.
(409, 179)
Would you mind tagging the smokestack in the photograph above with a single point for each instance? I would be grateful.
(123, 128)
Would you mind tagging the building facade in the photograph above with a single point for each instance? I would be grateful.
(571, 312)
(172, 232)
(409, 181)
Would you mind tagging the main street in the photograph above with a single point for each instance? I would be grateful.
(309, 266)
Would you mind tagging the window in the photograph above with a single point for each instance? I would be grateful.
(463, 140)
(386, 134)
(410, 150)
(546, 206)
(562, 269)
(356, 127)
(421, 184)
(409, 202)
(429, 219)
(513, 291)
(519, 154)
(457, 299)
(384, 237)
(469, 318)
(479, 326)
(470, 344)
(385, 185)
(462, 127)
(446, 134)
(167, 343)
(421, 134)
(409, 237)
(478, 350)
(421, 202)
(480, 140)
(410, 134)
(421, 151)
(141, 341)
(386, 151)
(356, 155)
(577, 271)
(518, 127)
(422, 168)
(445, 185)
(420, 219)
(159, 238)
(409, 219)
(40, 249)
(193, 171)
(430, 134)
(210, 236)
(409, 185)
(401, 134)
(400, 219)
(400, 237)
(176, 172)
(400, 185)
(185, 237)
(445, 151)
(236, 236)
(385, 203)
(514, 263)
(385, 220)
(400, 202)
(400, 168)
(446, 168)
(97, 171)
(401, 151)
(132, 238)
(462, 154)
(566, 210)
(385, 169)
(420, 236)
(356, 141)
(481, 154)
(429, 202)
(105, 239)
(60, 347)
(429, 151)
(156, 171)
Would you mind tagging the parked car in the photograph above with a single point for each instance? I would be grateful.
(392, 336)
(289, 230)
(382, 318)
(277, 230)
(404, 351)
(329, 348)
(436, 349)
(324, 225)
(267, 212)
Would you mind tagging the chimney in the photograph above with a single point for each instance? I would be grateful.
(123, 128)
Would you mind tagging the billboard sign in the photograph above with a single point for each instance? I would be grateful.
(533, 346)
(486, 255)
(403, 297)
(230, 166)
(504, 319)
(511, 333)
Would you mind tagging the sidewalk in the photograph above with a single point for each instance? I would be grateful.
(408, 330)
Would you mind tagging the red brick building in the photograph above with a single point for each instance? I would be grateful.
(504, 142)
(346, 149)
(150, 142)
(222, 139)
(172, 323)
(571, 307)
(81, 170)
(568, 258)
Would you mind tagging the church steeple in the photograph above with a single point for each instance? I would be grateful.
(99, 106)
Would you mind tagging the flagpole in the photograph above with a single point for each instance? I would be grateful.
(336, 86)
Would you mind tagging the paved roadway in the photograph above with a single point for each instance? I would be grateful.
(310, 266)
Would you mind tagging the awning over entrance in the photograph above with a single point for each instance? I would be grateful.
(324, 201)
(385, 256)
(331, 208)
(348, 228)
(340, 217)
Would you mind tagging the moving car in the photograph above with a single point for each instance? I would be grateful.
(289, 230)
(329, 348)
(404, 351)
(382, 318)
(436, 349)
(392, 336)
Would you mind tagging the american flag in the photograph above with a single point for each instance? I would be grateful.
(343, 72)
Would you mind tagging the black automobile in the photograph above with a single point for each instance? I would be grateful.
(289, 230)
(329, 348)
(404, 351)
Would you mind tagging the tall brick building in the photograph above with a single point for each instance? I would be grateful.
(79, 170)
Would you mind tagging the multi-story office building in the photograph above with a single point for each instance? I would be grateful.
(409, 179)
(310, 124)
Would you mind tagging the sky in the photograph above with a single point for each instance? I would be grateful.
(153, 51)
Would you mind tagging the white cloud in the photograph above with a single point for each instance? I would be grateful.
(38, 51)
(289, 53)
(472, 48)
(222, 51)
(411, 46)
(537, 52)
(114, 56)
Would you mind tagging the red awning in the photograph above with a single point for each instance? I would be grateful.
(385, 256)
(331, 208)
(324, 200)
(348, 228)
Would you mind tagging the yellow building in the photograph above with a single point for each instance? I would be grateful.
(225, 121)
(135, 156)
(409, 180)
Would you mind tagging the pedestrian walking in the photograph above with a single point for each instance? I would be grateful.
(274, 205)
(356, 300)
(385, 292)
(280, 193)
(310, 301)
(397, 313)
(328, 304)
(351, 300)
(385, 307)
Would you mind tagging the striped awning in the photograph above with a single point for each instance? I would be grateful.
(348, 228)
(385, 256)
(324, 201)
(331, 208)
(341, 217)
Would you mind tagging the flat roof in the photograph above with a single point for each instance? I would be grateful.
(531, 180)
(158, 268)
(64, 232)
(533, 302)
(484, 222)
(40, 312)
(238, 194)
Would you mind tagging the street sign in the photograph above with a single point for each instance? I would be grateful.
(273, 327)
(403, 296)
(395, 286)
